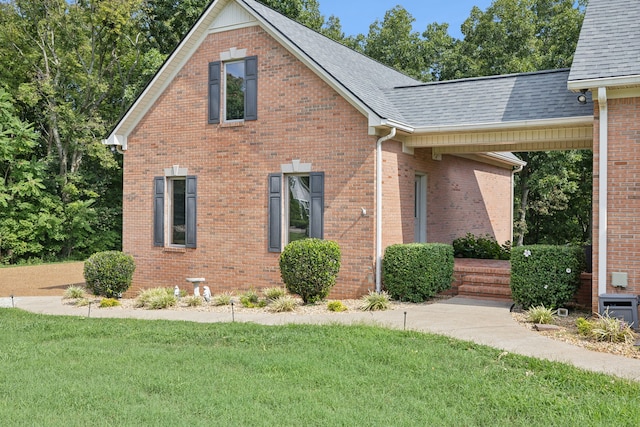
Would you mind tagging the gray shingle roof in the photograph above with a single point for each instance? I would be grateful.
(496, 99)
(609, 43)
(362, 76)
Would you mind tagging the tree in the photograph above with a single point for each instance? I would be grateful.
(553, 196)
(79, 65)
(514, 36)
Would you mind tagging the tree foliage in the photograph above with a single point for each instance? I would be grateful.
(72, 68)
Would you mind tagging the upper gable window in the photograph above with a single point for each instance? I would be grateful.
(233, 90)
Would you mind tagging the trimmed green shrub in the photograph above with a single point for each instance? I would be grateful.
(309, 268)
(336, 306)
(416, 272)
(545, 275)
(109, 302)
(109, 273)
(480, 247)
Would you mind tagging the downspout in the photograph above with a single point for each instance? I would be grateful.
(379, 207)
(515, 170)
(603, 181)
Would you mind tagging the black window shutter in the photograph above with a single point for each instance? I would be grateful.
(251, 88)
(158, 211)
(275, 212)
(214, 92)
(316, 211)
(191, 217)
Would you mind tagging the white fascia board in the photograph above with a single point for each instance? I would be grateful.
(608, 82)
(377, 122)
(167, 72)
(504, 159)
(522, 124)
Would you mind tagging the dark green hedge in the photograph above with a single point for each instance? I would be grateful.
(109, 273)
(480, 247)
(545, 275)
(309, 268)
(416, 272)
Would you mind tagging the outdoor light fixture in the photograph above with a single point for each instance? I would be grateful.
(582, 98)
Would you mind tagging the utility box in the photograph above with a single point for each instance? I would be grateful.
(622, 306)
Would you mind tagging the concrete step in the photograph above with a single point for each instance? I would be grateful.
(500, 293)
(476, 279)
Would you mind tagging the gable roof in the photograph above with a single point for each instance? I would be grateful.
(362, 77)
(504, 99)
(609, 44)
(386, 96)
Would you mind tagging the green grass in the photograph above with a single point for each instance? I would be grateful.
(73, 371)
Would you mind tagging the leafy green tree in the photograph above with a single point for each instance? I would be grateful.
(514, 36)
(79, 64)
(553, 196)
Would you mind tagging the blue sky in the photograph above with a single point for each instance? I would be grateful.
(356, 15)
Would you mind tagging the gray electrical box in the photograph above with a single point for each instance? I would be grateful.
(622, 306)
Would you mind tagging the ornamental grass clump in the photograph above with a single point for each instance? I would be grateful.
(74, 292)
(251, 299)
(282, 303)
(606, 328)
(156, 298)
(109, 273)
(375, 301)
(545, 275)
(309, 268)
(193, 301)
(274, 292)
(222, 299)
(541, 314)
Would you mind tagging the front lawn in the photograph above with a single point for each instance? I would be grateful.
(75, 371)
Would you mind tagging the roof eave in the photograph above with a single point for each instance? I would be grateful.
(498, 126)
(609, 82)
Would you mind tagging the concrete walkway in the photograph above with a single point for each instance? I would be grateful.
(480, 321)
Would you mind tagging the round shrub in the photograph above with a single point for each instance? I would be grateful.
(109, 273)
(545, 275)
(416, 272)
(309, 268)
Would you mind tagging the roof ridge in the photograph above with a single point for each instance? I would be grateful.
(247, 3)
(480, 78)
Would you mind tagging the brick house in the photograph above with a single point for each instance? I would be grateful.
(257, 131)
(607, 64)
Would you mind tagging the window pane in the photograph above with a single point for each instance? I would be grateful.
(299, 202)
(178, 212)
(234, 90)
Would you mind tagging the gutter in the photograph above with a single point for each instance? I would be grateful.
(603, 181)
(379, 207)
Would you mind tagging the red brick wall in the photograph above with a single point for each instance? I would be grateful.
(623, 254)
(463, 196)
(299, 117)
